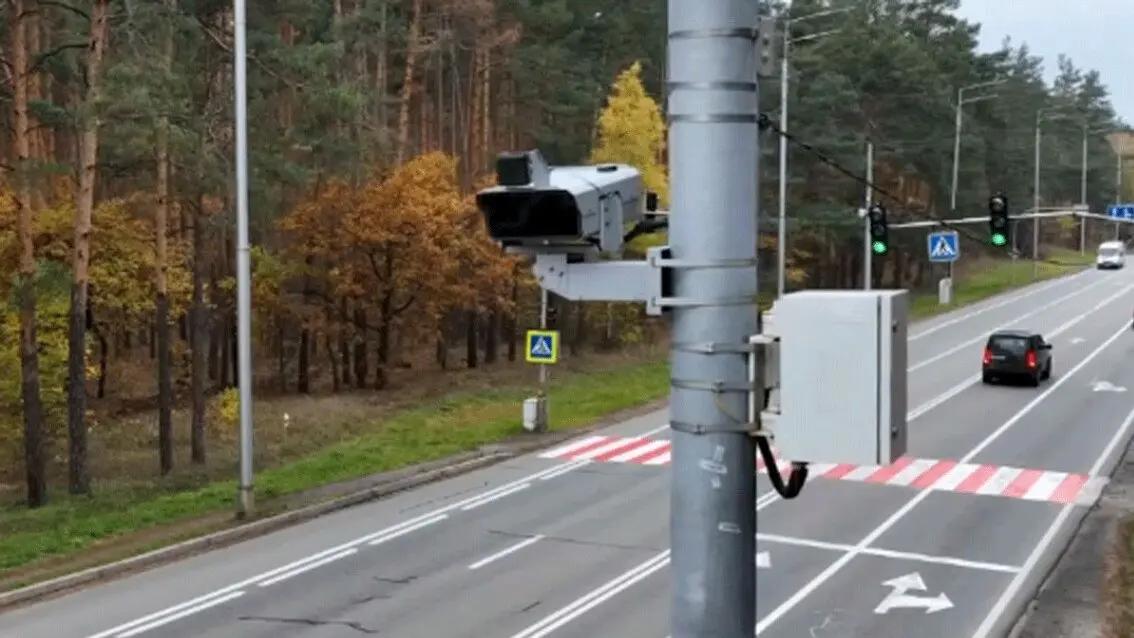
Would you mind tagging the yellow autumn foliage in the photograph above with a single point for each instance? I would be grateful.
(631, 131)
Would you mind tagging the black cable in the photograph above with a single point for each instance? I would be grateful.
(766, 123)
(796, 479)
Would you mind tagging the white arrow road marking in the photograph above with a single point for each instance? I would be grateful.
(898, 598)
(1106, 386)
(763, 560)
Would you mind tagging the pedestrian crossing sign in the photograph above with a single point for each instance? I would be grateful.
(944, 246)
(542, 346)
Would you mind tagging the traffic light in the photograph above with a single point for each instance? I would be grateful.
(998, 222)
(879, 230)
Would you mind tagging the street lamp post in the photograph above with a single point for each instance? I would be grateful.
(781, 247)
(245, 502)
(961, 102)
(1087, 132)
(1041, 115)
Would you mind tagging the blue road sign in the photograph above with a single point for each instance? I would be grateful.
(542, 346)
(1122, 211)
(944, 246)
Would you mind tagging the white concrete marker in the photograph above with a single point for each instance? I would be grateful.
(899, 598)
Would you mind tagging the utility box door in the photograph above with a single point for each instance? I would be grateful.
(842, 376)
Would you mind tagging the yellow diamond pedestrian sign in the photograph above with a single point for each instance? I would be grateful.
(542, 346)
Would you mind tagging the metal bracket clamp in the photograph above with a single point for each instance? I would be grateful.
(691, 302)
(716, 387)
(752, 429)
(658, 261)
(715, 348)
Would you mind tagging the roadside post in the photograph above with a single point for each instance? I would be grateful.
(541, 347)
(944, 248)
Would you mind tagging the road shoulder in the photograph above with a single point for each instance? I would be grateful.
(1071, 602)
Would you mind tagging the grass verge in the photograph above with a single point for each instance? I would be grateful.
(1118, 587)
(456, 423)
(994, 278)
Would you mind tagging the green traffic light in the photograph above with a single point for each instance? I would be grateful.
(879, 248)
(998, 239)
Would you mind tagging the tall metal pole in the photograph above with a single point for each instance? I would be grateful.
(781, 245)
(1118, 192)
(543, 326)
(1036, 203)
(867, 253)
(714, 137)
(1083, 195)
(243, 264)
(956, 153)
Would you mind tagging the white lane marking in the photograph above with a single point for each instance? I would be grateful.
(308, 567)
(763, 560)
(564, 450)
(912, 471)
(563, 469)
(955, 477)
(1014, 321)
(385, 538)
(610, 446)
(1041, 548)
(660, 459)
(890, 553)
(383, 535)
(496, 497)
(999, 481)
(640, 450)
(981, 311)
(511, 550)
(594, 598)
(861, 473)
(181, 614)
(1043, 488)
(899, 597)
(897, 516)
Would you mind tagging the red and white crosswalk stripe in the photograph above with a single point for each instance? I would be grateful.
(921, 474)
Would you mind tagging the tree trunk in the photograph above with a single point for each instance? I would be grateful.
(471, 350)
(79, 481)
(303, 383)
(344, 344)
(281, 356)
(413, 44)
(161, 231)
(165, 391)
(197, 319)
(361, 358)
(336, 380)
(35, 453)
(492, 339)
(103, 352)
(234, 348)
(224, 330)
(513, 322)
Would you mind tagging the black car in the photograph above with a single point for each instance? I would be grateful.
(1016, 354)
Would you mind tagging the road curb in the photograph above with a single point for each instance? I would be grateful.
(381, 485)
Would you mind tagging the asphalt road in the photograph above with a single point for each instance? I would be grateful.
(950, 542)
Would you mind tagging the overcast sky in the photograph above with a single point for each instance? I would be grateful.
(1095, 34)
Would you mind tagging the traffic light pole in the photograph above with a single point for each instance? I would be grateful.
(714, 140)
(868, 253)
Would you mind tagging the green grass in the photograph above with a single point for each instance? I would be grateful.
(457, 423)
(996, 278)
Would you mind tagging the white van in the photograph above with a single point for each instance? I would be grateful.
(1112, 254)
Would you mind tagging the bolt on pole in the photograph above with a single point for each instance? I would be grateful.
(714, 140)
(246, 502)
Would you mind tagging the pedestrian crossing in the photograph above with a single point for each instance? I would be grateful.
(921, 474)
